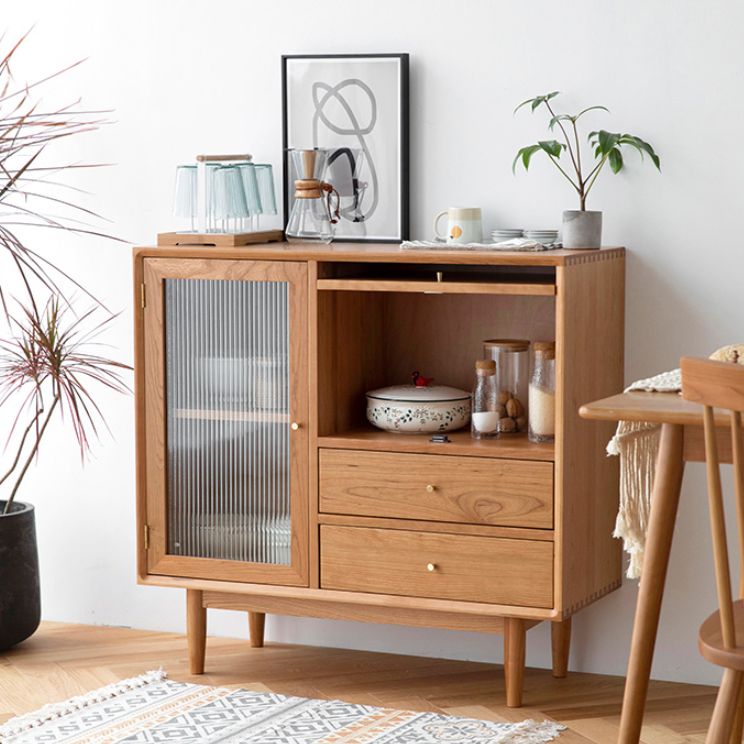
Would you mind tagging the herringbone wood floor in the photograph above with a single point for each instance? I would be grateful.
(65, 660)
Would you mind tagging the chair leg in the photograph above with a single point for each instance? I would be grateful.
(724, 713)
(560, 637)
(738, 728)
(256, 622)
(514, 647)
(196, 629)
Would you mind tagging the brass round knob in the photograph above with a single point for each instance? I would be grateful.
(431, 488)
(294, 426)
(431, 566)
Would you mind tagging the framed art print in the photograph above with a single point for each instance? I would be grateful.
(354, 106)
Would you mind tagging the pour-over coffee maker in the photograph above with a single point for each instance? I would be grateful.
(312, 216)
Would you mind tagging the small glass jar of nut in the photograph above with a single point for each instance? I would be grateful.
(512, 357)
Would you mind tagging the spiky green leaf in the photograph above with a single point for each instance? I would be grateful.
(537, 100)
(607, 141)
(591, 108)
(525, 155)
(560, 117)
(642, 147)
(552, 147)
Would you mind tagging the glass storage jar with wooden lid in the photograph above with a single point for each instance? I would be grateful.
(484, 416)
(542, 393)
(512, 378)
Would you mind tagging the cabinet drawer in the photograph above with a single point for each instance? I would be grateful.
(478, 569)
(440, 488)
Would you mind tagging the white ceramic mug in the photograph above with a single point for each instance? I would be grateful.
(463, 225)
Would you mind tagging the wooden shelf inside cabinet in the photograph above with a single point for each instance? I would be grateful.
(517, 447)
(258, 417)
(528, 289)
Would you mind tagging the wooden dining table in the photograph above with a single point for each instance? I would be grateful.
(681, 441)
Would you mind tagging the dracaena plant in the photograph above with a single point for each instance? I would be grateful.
(47, 367)
(606, 147)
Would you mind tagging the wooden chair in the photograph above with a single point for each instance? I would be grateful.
(721, 637)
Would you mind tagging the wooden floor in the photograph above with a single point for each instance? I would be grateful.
(65, 660)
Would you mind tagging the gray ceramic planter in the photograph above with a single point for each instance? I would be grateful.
(20, 602)
(581, 229)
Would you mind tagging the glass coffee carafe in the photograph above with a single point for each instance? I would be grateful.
(312, 216)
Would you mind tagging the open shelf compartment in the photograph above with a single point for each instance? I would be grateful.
(369, 340)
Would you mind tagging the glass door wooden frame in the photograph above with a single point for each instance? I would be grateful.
(155, 272)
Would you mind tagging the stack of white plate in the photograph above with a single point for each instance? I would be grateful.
(502, 234)
(542, 236)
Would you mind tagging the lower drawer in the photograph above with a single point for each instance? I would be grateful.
(426, 564)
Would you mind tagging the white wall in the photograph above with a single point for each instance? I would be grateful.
(185, 77)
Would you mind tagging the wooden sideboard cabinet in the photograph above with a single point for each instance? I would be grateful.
(261, 487)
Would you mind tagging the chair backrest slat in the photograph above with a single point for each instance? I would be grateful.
(737, 450)
(721, 385)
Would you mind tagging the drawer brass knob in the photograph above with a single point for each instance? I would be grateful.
(294, 426)
(431, 566)
(431, 488)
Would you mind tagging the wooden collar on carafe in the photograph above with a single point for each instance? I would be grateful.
(310, 188)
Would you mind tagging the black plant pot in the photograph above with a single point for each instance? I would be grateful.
(20, 601)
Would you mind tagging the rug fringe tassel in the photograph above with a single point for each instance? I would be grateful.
(23, 723)
(531, 732)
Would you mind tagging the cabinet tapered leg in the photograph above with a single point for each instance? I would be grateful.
(515, 635)
(560, 637)
(196, 629)
(256, 621)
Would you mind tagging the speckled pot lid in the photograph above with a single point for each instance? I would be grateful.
(413, 394)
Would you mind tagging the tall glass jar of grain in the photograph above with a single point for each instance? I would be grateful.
(542, 393)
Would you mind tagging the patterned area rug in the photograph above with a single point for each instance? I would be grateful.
(151, 708)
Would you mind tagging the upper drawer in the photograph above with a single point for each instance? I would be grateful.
(440, 488)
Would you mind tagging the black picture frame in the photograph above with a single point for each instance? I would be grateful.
(403, 228)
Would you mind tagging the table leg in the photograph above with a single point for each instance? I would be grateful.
(664, 502)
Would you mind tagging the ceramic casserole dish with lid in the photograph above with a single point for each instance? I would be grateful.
(416, 410)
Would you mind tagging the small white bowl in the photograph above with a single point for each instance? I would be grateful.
(416, 410)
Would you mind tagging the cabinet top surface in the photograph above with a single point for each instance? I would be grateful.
(380, 252)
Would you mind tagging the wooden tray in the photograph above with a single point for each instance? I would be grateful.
(220, 239)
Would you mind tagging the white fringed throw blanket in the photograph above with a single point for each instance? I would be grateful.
(637, 444)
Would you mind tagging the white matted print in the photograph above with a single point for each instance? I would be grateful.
(355, 107)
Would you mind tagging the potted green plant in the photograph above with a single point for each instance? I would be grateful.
(581, 228)
(48, 368)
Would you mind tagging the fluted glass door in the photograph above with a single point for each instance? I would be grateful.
(231, 350)
(227, 388)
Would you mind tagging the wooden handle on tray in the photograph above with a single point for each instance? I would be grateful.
(215, 158)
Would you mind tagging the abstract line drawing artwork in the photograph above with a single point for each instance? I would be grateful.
(344, 162)
(356, 108)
